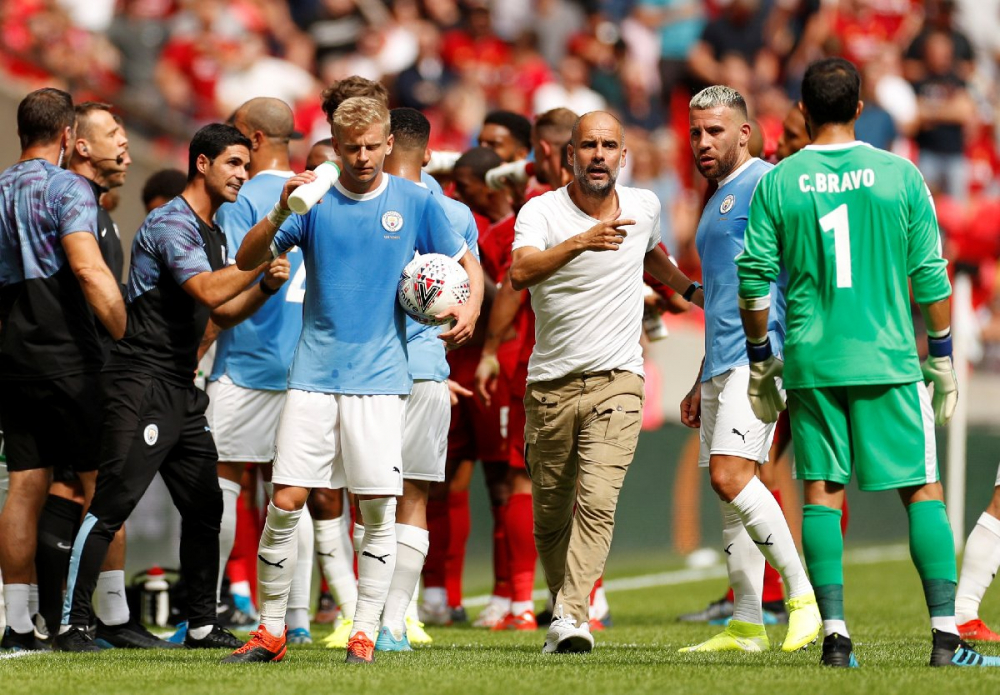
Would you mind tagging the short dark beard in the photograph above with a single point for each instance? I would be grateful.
(590, 189)
(725, 166)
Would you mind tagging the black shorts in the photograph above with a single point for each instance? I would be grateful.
(52, 423)
(153, 426)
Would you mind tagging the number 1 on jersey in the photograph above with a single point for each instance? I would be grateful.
(837, 221)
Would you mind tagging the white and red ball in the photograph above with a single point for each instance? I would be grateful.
(430, 285)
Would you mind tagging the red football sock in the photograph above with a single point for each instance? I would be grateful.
(774, 586)
(597, 585)
(439, 531)
(501, 558)
(242, 566)
(521, 546)
(454, 566)
(844, 516)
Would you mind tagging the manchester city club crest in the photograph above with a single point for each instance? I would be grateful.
(727, 204)
(392, 221)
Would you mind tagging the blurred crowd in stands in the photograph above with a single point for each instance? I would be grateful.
(930, 72)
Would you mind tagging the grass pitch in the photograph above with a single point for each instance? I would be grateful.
(638, 655)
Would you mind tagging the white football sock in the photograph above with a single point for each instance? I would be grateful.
(200, 632)
(3, 604)
(435, 596)
(980, 563)
(336, 559)
(520, 607)
(412, 543)
(412, 612)
(767, 527)
(376, 563)
(300, 595)
(32, 599)
(112, 607)
(276, 558)
(227, 529)
(835, 626)
(599, 606)
(745, 566)
(18, 615)
(357, 536)
(241, 588)
(945, 623)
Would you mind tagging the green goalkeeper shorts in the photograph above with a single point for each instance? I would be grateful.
(884, 432)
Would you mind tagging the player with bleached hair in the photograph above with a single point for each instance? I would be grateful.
(734, 441)
(342, 421)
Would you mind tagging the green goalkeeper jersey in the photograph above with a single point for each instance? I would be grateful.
(851, 224)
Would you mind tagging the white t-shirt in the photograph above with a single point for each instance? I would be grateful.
(588, 314)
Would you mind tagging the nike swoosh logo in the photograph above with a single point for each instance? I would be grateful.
(64, 546)
(104, 232)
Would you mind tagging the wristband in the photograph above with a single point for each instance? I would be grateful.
(758, 352)
(689, 292)
(278, 215)
(939, 347)
(267, 290)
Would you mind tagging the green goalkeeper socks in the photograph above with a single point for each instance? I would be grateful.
(823, 546)
(932, 548)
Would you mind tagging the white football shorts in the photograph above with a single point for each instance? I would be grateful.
(243, 421)
(341, 441)
(425, 432)
(728, 425)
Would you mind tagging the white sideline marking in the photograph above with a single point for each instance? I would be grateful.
(862, 556)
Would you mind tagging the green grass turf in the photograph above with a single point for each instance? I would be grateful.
(638, 655)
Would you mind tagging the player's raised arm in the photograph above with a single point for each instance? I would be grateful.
(256, 247)
(252, 298)
(532, 265)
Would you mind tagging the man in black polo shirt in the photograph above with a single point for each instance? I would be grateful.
(53, 282)
(154, 417)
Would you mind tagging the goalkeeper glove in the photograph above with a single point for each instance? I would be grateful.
(939, 371)
(766, 397)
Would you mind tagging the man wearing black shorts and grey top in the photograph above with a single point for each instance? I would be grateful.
(52, 283)
(154, 416)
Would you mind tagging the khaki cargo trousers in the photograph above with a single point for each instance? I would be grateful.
(580, 435)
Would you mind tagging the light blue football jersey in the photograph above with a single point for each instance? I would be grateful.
(432, 183)
(425, 351)
(355, 247)
(719, 240)
(256, 353)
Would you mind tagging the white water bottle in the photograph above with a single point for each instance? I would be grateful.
(305, 196)
(156, 597)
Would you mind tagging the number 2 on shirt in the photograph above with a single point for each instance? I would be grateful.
(837, 222)
(297, 286)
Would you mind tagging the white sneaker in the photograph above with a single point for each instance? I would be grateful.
(565, 637)
(495, 611)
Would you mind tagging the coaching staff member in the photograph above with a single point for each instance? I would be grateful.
(154, 416)
(581, 250)
(52, 283)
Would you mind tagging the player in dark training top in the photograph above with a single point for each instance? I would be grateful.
(52, 283)
(154, 415)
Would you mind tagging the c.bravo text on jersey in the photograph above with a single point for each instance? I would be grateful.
(837, 183)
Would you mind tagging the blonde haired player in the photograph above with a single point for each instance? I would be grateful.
(342, 422)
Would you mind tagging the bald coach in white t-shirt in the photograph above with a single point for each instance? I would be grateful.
(581, 250)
